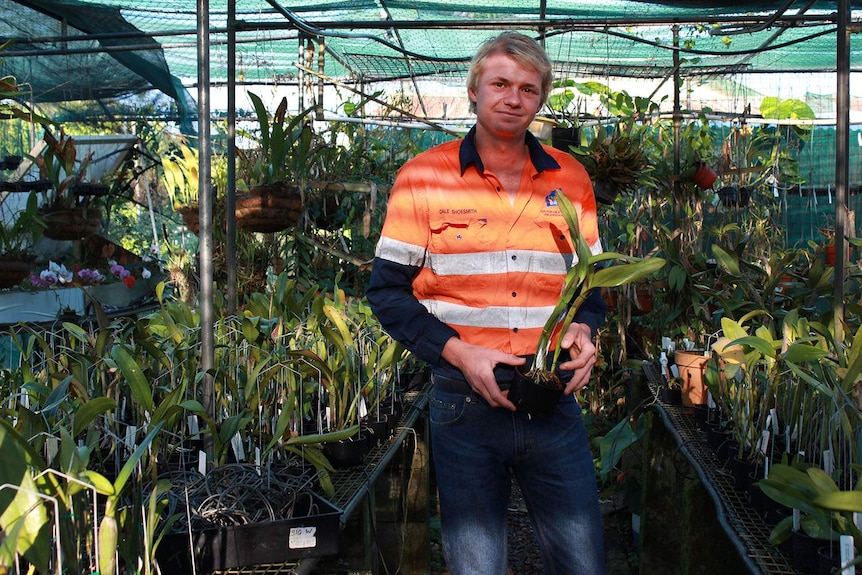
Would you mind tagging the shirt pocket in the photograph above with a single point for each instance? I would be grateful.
(453, 235)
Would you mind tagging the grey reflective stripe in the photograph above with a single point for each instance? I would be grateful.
(525, 261)
(515, 261)
(400, 252)
(492, 316)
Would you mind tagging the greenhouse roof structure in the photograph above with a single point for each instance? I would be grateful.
(73, 50)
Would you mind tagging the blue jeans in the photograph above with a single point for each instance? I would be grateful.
(477, 449)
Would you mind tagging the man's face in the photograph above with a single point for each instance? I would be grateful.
(507, 96)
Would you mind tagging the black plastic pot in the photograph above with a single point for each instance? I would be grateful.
(670, 395)
(563, 138)
(347, 452)
(532, 397)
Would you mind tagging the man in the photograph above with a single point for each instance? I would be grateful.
(471, 259)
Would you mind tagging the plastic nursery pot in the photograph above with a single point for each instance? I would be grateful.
(704, 177)
(347, 452)
(533, 397)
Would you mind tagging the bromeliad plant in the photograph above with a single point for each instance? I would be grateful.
(585, 275)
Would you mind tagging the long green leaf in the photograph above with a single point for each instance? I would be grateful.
(850, 501)
(134, 376)
(617, 275)
(89, 411)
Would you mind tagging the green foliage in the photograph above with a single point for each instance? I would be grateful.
(18, 236)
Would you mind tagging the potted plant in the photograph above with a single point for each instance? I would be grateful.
(274, 174)
(539, 387)
(16, 242)
(615, 160)
(564, 107)
(68, 214)
(180, 177)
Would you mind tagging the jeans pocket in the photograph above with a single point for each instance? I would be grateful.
(446, 408)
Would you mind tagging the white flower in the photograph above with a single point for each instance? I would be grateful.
(58, 273)
(145, 273)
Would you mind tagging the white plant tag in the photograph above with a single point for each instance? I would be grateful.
(765, 467)
(796, 524)
(828, 462)
(328, 418)
(202, 462)
(709, 401)
(674, 371)
(362, 409)
(847, 555)
(773, 413)
(194, 428)
(131, 431)
(857, 519)
(236, 443)
(257, 459)
(52, 446)
(764, 441)
(302, 537)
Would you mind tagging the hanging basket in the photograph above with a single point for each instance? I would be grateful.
(191, 218)
(13, 270)
(269, 209)
(71, 223)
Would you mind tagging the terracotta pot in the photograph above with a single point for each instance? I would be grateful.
(692, 365)
(704, 177)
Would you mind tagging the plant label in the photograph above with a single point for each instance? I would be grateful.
(763, 444)
(828, 461)
(363, 409)
(194, 428)
(238, 451)
(847, 555)
(131, 431)
(202, 462)
(302, 537)
(52, 446)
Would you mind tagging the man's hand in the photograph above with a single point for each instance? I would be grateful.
(578, 340)
(477, 364)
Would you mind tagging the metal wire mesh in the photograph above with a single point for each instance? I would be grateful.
(742, 522)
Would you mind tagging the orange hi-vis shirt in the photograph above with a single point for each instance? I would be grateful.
(489, 268)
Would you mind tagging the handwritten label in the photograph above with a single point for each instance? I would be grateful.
(302, 537)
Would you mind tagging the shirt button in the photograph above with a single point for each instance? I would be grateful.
(514, 257)
(514, 329)
(514, 294)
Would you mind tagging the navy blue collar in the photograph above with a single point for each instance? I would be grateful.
(469, 155)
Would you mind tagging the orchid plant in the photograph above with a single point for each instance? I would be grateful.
(58, 275)
(584, 276)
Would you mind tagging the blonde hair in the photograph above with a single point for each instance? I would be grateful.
(523, 49)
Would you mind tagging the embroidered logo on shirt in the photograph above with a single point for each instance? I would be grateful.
(551, 199)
